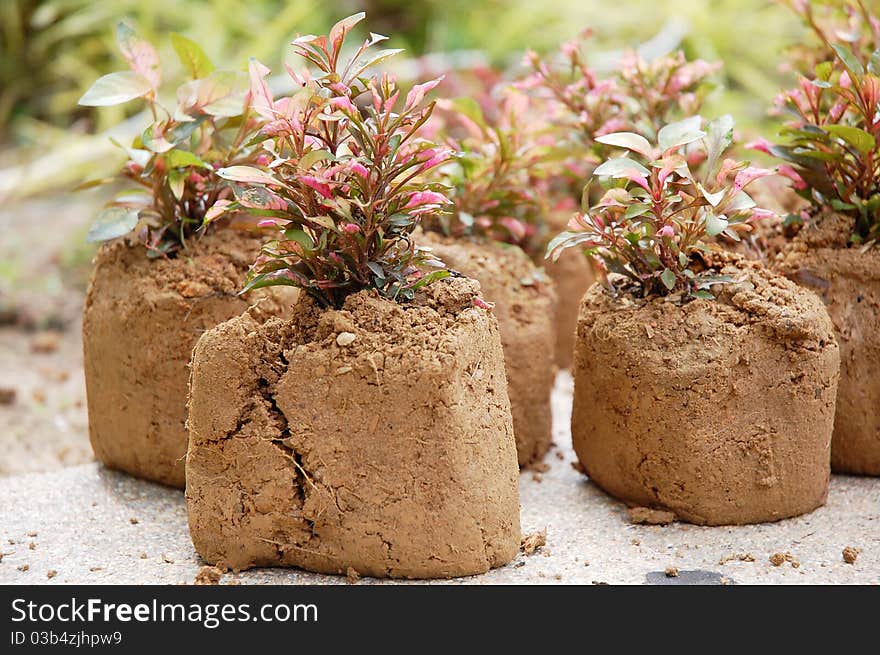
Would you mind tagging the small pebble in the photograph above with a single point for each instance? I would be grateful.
(345, 338)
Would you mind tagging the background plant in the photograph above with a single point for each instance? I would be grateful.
(174, 160)
(638, 96)
(343, 186)
(495, 181)
(652, 222)
(832, 141)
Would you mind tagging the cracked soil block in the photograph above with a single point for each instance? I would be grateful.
(376, 438)
(141, 319)
(525, 304)
(848, 281)
(719, 411)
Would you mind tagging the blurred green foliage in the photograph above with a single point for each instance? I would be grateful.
(51, 50)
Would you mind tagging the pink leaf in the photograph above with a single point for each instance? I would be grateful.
(749, 175)
(260, 96)
(140, 55)
(418, 92)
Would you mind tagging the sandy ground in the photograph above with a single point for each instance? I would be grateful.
(90, 525)
(44, 267)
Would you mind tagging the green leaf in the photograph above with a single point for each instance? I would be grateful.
(191, 56)
(247, 174)
(176, 182)
(667, 277)
(874, 63)
(849, 59)
(715, 225)
(116, 88)
(824, 70)
(111, 223)
(719, 136)
(618, 167)
(183, 158)
(313, 157)
(301, 237)
(859, 139)
(637, 209)
(703, 295)
(675, 135)
(470, 108)
(629, 140)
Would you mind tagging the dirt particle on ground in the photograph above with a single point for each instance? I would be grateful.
(351, 575)
(23, 567)
(635, 542)
(143, 556)
(534, 541)
(45, 342)
(540, 467)
(93, 569)
(648, 516)
(133, 521)
(51, 573)
(32, 546)
(32, 534)
(7, 395)
(741, 557)
(671, 572)
(208, 575)
(345, 338)
(537, 477)
(778, 559)
(559, 455)
(166, 559)
(39, 396)
(850, 554)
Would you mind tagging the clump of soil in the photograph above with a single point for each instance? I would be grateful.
(724, 416)
(850, 555)
(671, 572)
(524, 306)
(141, 319)
(533, 542)
(7, 395)
(778, 559)
(648, 516)
(208, 575)
(572, 275)
(740, 557)
(848, 280)
(392, 454)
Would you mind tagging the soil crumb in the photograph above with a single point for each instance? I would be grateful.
(648, 516)
(24, 567)
(45, 342)
(51, 573)
(208, 575)
(133, 521)
(850, 555)
(778, 559)
(352, 576)
(741, 557)
(7, 395)
(671, 572)
(534, 541)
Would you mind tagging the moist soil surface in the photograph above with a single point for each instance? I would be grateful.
(524, 304)
(141, 319)
(718, 411)
(848, 280)
(376, 438)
